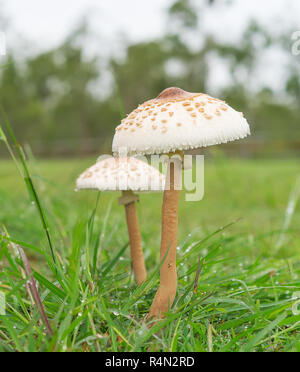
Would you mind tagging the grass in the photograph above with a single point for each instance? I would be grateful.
(241, 240)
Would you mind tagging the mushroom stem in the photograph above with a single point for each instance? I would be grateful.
(136, 251)
(166, 292)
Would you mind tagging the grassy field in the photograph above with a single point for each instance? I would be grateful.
(246, 237)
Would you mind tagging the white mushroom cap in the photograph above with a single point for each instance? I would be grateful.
(178, 120)
(121, 174)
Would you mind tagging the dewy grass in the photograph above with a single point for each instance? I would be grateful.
(240, 296)
(27, 177)
(108, 315)
(290, 210)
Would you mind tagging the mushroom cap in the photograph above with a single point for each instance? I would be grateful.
(178, 120)
(121, 174)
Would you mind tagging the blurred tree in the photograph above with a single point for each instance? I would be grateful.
(50, 99)
(141, 74)
(184, 14)
(293, 85)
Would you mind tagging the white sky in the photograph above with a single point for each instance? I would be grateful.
(45, 23)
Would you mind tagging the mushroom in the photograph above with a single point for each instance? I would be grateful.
(171, 123)
(126, 175)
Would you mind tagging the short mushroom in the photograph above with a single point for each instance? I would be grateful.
(126, 175)
(171, 123)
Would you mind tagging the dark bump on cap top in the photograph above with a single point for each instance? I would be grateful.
(173, 93)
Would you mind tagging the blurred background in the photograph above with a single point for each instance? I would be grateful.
(72, 70)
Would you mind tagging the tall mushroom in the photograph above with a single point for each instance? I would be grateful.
(126, 175)
(171, 123)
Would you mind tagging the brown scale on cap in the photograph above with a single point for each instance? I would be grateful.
(162, 108)
(174, 93)
(170, 95)
(87, 174)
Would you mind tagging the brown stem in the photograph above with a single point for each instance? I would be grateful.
(136, 251)
(166, 292)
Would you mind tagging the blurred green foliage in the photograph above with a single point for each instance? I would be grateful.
(51, 100)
